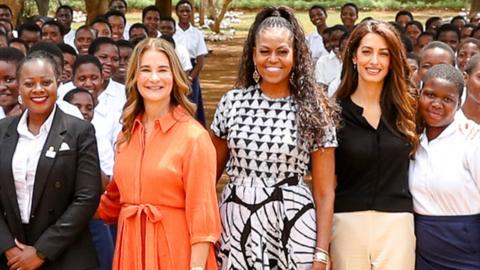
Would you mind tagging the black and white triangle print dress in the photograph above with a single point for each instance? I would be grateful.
(267, 211)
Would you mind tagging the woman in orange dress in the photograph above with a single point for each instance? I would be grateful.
(163, 190)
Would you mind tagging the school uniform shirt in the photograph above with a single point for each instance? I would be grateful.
(126, 36)
(2, 113)
(184, 57)
(25, 160)
(444, 178)
(315, 43)
(328, 68)
(69, 38)
(192, 39)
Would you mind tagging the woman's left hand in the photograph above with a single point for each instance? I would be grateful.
(319, 266)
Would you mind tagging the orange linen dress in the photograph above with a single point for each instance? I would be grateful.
(163, 195)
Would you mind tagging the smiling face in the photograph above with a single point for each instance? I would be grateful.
(273, 55)
(38, 87)
(372, 58)
(8, 85)
(465, 53)
(89, 77)
(155, 78)
(349, 16)
(438, 103)
(109, 58)
(118, 26)
(317, 17)
(84, 37)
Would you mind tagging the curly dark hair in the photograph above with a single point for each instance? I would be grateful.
(316, 114)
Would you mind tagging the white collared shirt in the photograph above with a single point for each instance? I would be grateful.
(2, 113)
(328, 68)
(69, 38)
(25, 160)
(316, 46)
(444, 178)
(192, 39)
(184, 57)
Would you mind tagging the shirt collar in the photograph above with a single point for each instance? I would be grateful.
(166, 122)
(450, 130)
(22, 127)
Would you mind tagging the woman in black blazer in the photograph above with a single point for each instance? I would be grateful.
(49, 177)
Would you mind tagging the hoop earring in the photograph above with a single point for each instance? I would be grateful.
(256, 76)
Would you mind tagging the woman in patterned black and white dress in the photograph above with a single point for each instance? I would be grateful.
(265, 133)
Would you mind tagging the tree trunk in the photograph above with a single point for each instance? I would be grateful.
(165, 7)
(474, 7)
(201, 12)
(193, 11)
(95, 8)
(16, 6)
(212, 12)
(219, 18)
(42, 6)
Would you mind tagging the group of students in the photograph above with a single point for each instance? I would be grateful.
(393, 158)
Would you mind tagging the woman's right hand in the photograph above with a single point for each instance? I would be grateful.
(12, 252)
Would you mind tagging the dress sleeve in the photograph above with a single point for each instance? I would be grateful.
(109, 207)
(220, 120)
(201, 205)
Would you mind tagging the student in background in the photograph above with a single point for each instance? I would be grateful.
(318, 16)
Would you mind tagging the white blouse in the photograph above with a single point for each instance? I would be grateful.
(445, 175)
(25, 160)
(192, 39)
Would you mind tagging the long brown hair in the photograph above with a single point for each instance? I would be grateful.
(397, 101)
(316, 114)
(134, 105)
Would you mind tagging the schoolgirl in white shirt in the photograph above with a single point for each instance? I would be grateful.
(444, 178)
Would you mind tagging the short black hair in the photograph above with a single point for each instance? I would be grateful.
(168, 18)
(446, 72)
(318, 7)
(70, 94)
(469, 40)
(48, 47)
(169, 39)
(427, 33)
(124, 43)
(181, 2)
(123, 1)
(448, 27)
(57, 24)
(458, 17)
(116, 13)
(18, 40)
(404, 13)
(413, 56)
(4, 6)
(431, 20)
(88, 28)
(28, 26)
(137, 40)
(148, 9)
(10, 54)
(70, 9)
(407, 43)
(86, 59)
(441, 45)
(339, 27)
(65, 48)
(99, 42)
(346, 5)
(41, 54)
(418, 24)
(137, 25)
(101, 19)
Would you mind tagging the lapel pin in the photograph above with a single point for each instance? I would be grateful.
(50, 152)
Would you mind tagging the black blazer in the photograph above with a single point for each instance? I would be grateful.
(66, 194)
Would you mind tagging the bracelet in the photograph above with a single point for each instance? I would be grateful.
(321, 257)
(321, 250)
